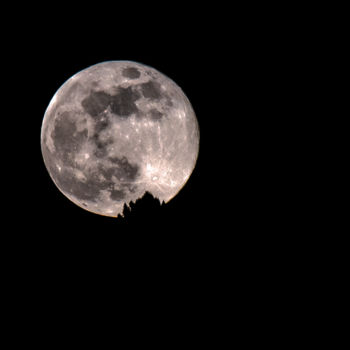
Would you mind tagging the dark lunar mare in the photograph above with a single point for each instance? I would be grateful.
(124, 170)
(67, 140)
(68, 183)
(123, 103)
(117, 195)
(151, 90)
(96, 102)
(101, 150)
(131, 73)
(91, 187)
(102, 122)
(155, 114)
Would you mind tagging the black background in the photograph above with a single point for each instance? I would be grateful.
(238, 256)
(225, 239)
(202, 60)
(234, 256)
(226, 65)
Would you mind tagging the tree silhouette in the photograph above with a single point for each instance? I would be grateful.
(145, 210)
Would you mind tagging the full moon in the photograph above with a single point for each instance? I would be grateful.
(116, 130)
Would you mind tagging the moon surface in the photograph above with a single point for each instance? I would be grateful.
(116, 130)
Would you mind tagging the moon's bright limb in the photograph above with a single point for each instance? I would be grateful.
(116, 130)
